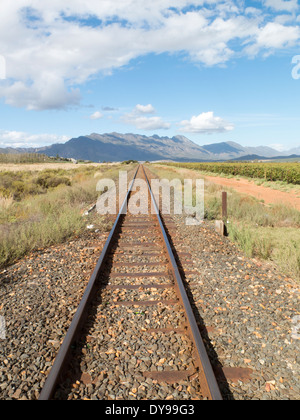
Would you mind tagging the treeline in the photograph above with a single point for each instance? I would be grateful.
(24, 158)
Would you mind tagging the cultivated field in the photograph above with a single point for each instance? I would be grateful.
(284, 172)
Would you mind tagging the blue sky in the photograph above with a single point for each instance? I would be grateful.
(212, 71)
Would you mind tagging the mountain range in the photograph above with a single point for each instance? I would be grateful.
(117, 147)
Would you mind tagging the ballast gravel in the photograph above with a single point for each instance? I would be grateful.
(38, 298)
(247, 311)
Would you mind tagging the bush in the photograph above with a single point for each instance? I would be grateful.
(128, 162)
(4, 192)
(47, 182)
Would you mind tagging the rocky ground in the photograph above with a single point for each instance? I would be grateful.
(39, 296)
(249, 312)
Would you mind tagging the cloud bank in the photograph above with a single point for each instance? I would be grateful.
(21, 139)
(52, 48)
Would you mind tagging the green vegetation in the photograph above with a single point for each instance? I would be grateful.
(21, 184)
(129, 162)
(285, 172)
(40, 209)
(269, 233)
(277, 244)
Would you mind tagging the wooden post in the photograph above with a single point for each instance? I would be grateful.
(221, 225)
(224, 211)
(224, 206)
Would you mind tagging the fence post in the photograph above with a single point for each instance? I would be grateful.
(224, 211)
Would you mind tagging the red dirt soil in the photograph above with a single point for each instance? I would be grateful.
(269, 195)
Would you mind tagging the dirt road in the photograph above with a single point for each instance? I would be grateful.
(269, 195)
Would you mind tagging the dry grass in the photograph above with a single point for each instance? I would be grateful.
(39, 220)
(50, 166)
(6, 202)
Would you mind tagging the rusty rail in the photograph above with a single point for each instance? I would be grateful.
(79, 317)
(209, 386)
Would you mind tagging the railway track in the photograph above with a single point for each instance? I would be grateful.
(134, 335)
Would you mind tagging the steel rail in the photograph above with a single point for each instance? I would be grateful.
(208, 381)
(78, 319)
(209, 385)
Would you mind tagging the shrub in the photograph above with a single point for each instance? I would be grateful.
(47, 182)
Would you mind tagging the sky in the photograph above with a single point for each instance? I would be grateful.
(212, 71)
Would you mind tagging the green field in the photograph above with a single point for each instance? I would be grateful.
(268, 171)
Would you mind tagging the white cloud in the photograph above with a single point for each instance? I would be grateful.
(144, 109)
(96, 116)
(253, 11)
(152, 123)
(276, 35)
(282, 5)
(273, 36)
(136, 117)
(206, 123)
(46, 92)
(21, 139)
(52, 47)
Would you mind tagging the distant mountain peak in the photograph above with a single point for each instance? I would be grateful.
(181, 138)
(235, 145)
(119, 147)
